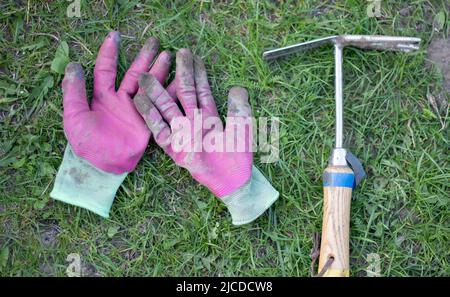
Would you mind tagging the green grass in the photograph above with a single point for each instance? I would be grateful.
(166, 223)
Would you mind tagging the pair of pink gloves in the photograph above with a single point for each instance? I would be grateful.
(107, 138)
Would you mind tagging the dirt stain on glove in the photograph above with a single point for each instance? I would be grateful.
(151, 116)
(204, 96)
(148, 83)
(78, 176)
(115, 36)
(238, 102)
(143, 104)
(151, 45)
(185, 64)
(73, 71)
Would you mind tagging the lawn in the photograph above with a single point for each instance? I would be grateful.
(162, 222)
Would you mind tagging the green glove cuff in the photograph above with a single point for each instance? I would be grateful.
(79, 183)
(252, 200)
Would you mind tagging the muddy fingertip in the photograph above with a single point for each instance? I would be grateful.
(73, 70)
(184, 51)
(238, 93)
(184, 56)
(151, 45)
(167, 56)
(114, 35)
(73, 67)
(198, 63)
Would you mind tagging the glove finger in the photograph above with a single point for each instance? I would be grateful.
(166, 105)
(239, 126)
(184, 76)
(140, 65)
(74, 91)
(172, 89)
(105, 69)
(155, 122)
(238, 105)
(160, 70)
(205, 99)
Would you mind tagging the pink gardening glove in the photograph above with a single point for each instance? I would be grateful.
(110, 133)
(107, 138)
(226, 171)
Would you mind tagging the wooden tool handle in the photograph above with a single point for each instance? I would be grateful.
(334, 249)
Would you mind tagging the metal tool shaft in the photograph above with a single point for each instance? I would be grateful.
(338, 81)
